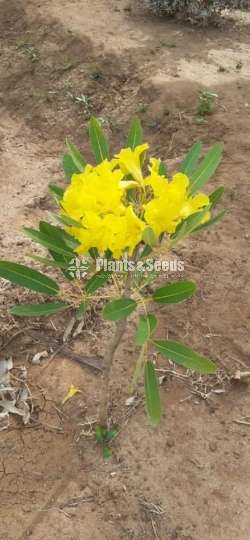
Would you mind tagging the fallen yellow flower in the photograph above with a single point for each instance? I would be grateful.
(72, 391)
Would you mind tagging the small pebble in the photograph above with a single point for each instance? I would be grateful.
(170, 443)
(213, 446)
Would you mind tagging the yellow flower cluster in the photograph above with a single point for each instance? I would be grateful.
(110, 220)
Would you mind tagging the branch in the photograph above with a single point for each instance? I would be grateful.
(109, 359)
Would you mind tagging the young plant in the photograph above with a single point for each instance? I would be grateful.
(117, 213)
(103, 437)
(206, 103)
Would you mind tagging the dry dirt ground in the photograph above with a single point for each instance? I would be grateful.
(196, 467)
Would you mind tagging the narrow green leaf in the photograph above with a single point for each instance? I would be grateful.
(57, 192)
(215, 197)
(99, 434)
(189, 225)
(76, 156)
(110, 434)
(206, 168)
(146, 251)
(174, 292)
(180, 354)
(131, 195)
(66, 220)
(94, 253)
(96, 281)
(146, 327)
(139, 368)
(64, 263)
(161, 237)
(149, 237)
(142, 279)
(54, 242)
(135, 135)
(108, 254)
(163, 169)
(37, 310)
(98, 141)
(119, 309)
(46, 241)
(69, 166)
(28, 278)
(152, 395)
(106, 452)
(211, 221)
(58, 235)
(48, 262)
(81, 311)
(190, 161)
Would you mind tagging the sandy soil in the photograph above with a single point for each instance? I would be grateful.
(54, 483)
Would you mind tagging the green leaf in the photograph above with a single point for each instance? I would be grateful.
(59, 251)
(189, 163)
(100, 434)
(119, 309)
(106, 452)
(142, 279)
(174, 292)
(149, 237)
(68, 221)
(81, 311)
(57, 192)
(69, 166)
(37, 310)
(215, 197)
(46, 241)
(28, 278)
(98, 141)
(96, 281)
(206, 168)
(58, 235)
(146, 327)
(211, 221)
(48, 262)
(146, 251)
(180, 354)
(76, 156)
(189, 225)
(163, 169)
(94, 253)
(63, 263)
(152, 395)
(135, 135)
(139, 368)
(110, 434)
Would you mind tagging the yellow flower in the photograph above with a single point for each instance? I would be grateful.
(130, 161)
(159, 184)
(134, 229)
(118, 233)
(194, 204)
(97, 198)
(71, 392)
(154, 165)
(97, 189)
(171, 203)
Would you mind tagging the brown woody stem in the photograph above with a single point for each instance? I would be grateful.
(109, 359)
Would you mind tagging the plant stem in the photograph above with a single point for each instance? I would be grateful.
(138, 369)
(109, 359)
